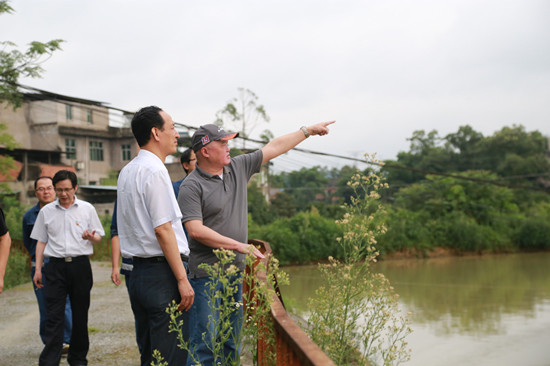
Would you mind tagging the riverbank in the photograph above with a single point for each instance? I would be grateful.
(441, 252)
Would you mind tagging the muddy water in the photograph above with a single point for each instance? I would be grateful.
(482, 310)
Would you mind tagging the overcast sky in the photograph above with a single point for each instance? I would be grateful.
(381, 69)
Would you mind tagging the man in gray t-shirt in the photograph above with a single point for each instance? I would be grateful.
(214, 205)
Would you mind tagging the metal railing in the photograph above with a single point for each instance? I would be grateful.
(292, 345)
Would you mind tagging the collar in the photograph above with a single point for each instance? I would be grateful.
(75, 203)
(207, 175)
(149, 156)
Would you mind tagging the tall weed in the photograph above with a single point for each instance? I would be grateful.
(355, 318)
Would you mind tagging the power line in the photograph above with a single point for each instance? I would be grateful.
(59, 98)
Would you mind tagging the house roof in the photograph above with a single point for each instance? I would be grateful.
(34, 94)
(47, 170)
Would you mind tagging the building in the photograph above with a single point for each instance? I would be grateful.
(56, 132)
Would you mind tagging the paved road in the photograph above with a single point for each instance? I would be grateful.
(111, 324)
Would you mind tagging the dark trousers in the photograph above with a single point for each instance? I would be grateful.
(152, 289)
(75, 280)
(39, 293)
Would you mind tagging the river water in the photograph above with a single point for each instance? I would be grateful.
(478, 310)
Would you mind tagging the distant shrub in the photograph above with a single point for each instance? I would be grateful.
(302, 238)
(13, 211)
(17, 271)
(406, 230)
(102, 250)
(534, 234)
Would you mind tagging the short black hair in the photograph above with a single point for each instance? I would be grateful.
(186, 158)
(41, 177)
(64, 174)
(143, 122)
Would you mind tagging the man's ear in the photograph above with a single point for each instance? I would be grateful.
(155, 134)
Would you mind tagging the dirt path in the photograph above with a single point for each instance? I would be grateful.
(111, 324)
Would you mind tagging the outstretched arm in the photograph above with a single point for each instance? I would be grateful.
(284, 143)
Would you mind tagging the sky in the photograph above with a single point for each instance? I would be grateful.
(382, 68)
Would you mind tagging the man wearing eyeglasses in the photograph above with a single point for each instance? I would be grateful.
(66, 230)
(188, 161)
(44, 191)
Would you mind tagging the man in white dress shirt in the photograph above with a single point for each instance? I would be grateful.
(150, 231)
(65, 231)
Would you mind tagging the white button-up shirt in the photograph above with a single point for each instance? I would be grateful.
(146, 200)
(61, 228)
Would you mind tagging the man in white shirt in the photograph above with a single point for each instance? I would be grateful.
(65, 231)
(150, 231)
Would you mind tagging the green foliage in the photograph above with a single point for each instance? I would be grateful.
(158, 359)
(17, 270)
(258, 321)
(222, 289)
(408, 231)
(303, 238)
(459, 214)
(472, 205)
(5, 7)
(355, 318)
(305, 186)
(258, 207)
(111, 180)
(14, 212)
(15, 64)
(464, 234)
(512, 152)
(282, 205)
(102, 250)
(534, 234)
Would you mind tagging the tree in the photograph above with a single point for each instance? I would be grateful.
(244, 114)
(466, 148)
(306, 186)
(14, 65)
(282, 205)
(512, 152)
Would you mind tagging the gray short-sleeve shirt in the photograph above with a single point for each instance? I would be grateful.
(221, 204)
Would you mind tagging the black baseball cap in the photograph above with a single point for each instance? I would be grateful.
(208, 133)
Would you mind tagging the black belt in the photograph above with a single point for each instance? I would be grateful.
(160, 259)
(79, 258)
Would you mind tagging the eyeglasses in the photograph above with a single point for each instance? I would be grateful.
(44, 189)
(61, 190)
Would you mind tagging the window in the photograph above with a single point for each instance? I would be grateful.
(69, 112)
(96, 150)
(70, 149)
(126, 152)
(89, 116)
